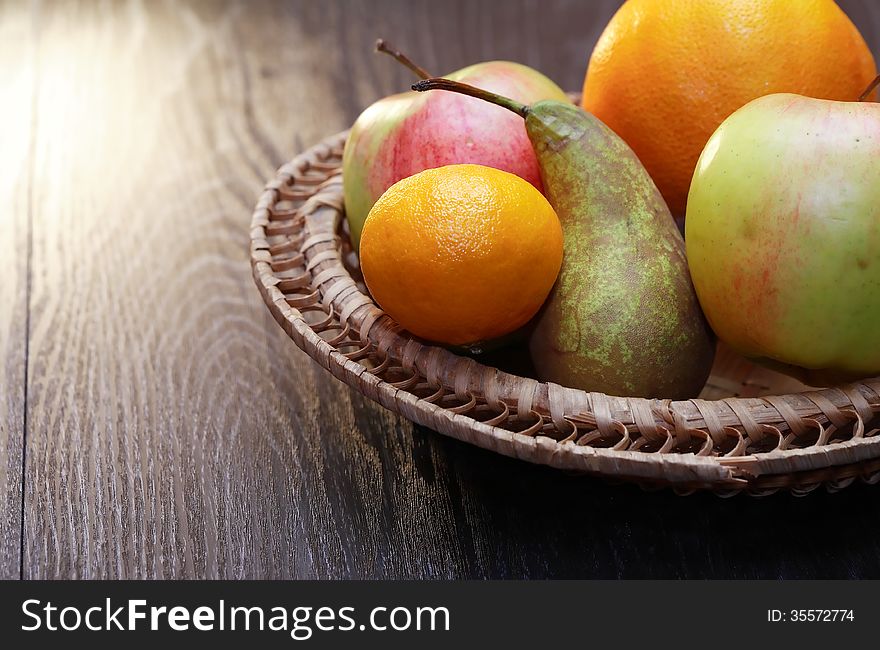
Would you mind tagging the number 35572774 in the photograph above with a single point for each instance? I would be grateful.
(810, 615)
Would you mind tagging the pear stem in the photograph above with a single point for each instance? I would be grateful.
(869, 89)
(387, 48)
(457, 87)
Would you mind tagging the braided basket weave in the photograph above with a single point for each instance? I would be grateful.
(305, 270)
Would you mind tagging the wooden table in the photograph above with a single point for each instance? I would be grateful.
(156, 422)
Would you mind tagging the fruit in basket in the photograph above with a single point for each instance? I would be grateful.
(783, 235)
(461, 254)
(623, 318)
(665, 74)
(404, 134)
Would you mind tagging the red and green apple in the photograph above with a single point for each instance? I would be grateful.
(783, 235)
(404, 134)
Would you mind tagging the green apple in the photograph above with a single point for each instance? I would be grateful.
(783, 235)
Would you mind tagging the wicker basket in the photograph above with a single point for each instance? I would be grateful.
(730, 440)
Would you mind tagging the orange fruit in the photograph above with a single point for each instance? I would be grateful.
(666, 73)
(461, 254)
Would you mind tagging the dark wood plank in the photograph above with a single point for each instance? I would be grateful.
(866, 15)
(16, 103)
(174, 431)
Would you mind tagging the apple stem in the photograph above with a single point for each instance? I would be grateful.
(458, 87)
(387, 48)
(869, 89)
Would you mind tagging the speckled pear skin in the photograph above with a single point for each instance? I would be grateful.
(623, 318)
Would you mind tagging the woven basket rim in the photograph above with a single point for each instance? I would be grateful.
(297, 263)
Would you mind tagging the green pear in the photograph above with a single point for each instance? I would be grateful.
(623, 317)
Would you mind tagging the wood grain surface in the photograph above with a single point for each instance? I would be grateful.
(170, 428)
(17, 74)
